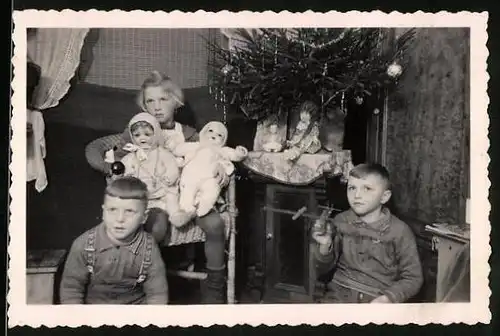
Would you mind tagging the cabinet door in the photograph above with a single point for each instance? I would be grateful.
(289, 267)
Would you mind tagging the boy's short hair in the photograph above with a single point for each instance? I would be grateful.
(364, 169)
(157, 79)
(127, 187)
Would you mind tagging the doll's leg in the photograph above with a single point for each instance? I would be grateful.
(176, 215)
(187, 195)
(209, 192)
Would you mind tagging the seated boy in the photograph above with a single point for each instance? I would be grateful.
(375, 253)
(116, 262)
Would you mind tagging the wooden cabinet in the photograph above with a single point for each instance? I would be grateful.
(289, 265)
(450, 242)
(277, 248)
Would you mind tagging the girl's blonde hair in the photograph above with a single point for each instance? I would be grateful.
(157, 79)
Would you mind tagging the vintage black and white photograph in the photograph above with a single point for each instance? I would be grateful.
(214, 167)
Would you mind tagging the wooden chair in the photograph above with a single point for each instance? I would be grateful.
(191, 233)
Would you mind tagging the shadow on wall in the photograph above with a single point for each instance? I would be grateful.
(86, 60)
(87, 54)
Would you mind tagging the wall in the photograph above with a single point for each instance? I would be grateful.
(121, 58)
(428, 126)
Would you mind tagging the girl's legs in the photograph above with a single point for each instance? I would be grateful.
(213, 290)
(213, 226)
(157, 224)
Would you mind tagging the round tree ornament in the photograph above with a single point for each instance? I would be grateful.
(394, 70)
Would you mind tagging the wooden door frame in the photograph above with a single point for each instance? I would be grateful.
(376, 139)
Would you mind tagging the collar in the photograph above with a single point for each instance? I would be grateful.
(168, 126)
(104, 242)
(380, 225)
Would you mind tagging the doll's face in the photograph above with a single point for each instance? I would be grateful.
(273, 129)
(143, 136)
(305, 116)
(214, 133)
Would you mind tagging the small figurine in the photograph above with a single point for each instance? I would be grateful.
(273, 143)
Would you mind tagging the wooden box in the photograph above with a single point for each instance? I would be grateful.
(41, 268)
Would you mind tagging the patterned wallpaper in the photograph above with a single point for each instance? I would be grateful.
(428, 128)
(121, 58)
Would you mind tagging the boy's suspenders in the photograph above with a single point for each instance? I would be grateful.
(90, 250)
(146, 260)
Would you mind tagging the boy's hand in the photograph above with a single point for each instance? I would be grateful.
(381, 299)
(322, 233)
(324, 241)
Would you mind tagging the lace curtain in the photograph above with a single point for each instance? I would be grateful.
(57, 53)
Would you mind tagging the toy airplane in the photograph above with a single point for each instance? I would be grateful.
(327, 211)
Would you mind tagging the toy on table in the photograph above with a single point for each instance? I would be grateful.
(305, 136)
(273, 143)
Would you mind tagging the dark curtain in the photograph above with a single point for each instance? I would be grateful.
(428, 125)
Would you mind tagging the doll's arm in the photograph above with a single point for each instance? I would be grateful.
(171, 174)
(234, 154)
(185, 148)
(130, 164)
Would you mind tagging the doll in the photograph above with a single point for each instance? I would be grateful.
(273, 143)
(331, 130)
(156, 166)
(199, 189)
(304, 138)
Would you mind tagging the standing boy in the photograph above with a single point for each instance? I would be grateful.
(116, 262)
(375, 253)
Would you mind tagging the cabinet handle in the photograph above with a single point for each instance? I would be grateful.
(269, 236)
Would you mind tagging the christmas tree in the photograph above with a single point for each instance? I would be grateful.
(277, 69)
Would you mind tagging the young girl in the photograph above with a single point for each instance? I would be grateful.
(160, 97)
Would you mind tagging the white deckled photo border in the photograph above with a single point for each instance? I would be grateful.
(476, 311)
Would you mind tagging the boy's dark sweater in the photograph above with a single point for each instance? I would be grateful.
(378, 259)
